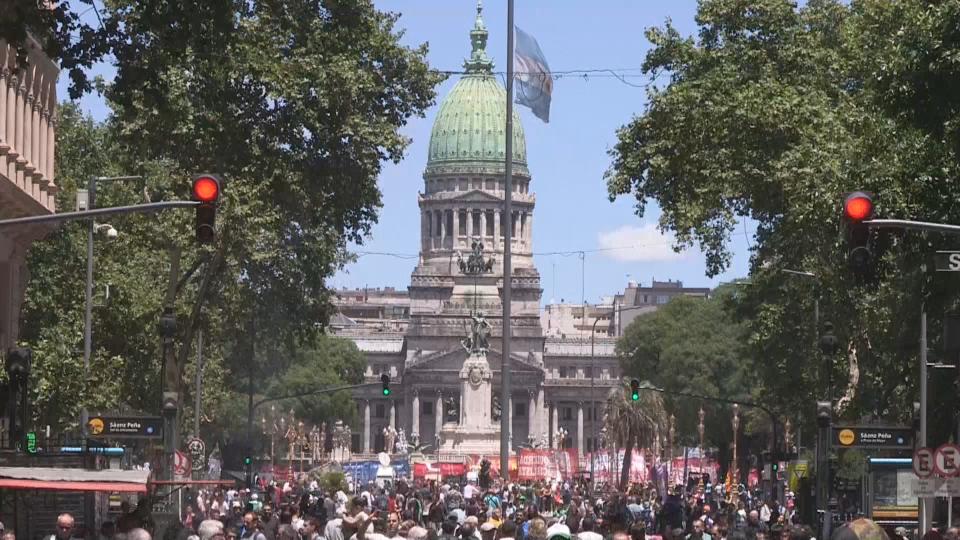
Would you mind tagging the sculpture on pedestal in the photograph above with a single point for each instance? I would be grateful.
(402, 448)
(473, 432)
(389, 439)
(341, 442)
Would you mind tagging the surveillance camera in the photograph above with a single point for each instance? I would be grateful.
(112, 234)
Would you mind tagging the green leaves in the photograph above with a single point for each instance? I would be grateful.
(774, 112)
(297, 104)
(689, 345)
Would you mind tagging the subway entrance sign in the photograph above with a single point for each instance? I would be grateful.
(872, 437)
(125, 427)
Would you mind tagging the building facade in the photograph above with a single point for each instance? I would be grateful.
(416, 336)
(563, 358)
(28, 101)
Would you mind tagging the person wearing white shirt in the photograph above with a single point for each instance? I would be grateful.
(765, 513)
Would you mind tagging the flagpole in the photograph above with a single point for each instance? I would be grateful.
(507, 403)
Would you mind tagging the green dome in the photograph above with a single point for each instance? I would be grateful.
(470, 127)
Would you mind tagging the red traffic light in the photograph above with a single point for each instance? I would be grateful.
(206, 188)
(858, 206)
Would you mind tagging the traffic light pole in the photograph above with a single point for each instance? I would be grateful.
(109, 211)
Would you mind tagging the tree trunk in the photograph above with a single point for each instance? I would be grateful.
(627, 461)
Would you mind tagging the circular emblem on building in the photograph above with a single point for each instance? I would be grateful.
(846, 437)
(476, 375)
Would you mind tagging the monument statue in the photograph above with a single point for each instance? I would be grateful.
(402, 448)
(451, 409)
(341, 442)
(469, 427)
(475, 263)
(389, 439)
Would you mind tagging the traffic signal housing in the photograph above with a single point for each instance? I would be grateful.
(634, 390)
(858, 208)
(206, 191)
(385, 381)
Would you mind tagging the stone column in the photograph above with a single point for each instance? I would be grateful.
(35, 173)
(532, 416)
(529, 234)
(469, 224)
(443, 226)
(51, 142)
(393, 414)
(4, 78)
(483, 224)
(424, 237)
(438, 414)
(580, 427)
(11, 111)
(366, 426)
(455, 214)
(554, 423)
(17, 174)
(415, 414)
(42, 165)
(543, 418)
(497, 237)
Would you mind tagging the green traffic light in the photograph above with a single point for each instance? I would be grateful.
(247, 460)
(32, 442)
(386, 391)
(635, 396)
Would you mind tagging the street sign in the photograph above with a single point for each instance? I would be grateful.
(181, 465)
(198, 451)
(125, 427)
(872, 437)
(947, 261)
(923, 462)
(946, 460)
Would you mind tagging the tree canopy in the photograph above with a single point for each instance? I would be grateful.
(297, 104)
(771, 113)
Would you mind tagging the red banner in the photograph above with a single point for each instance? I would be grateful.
(548, 464)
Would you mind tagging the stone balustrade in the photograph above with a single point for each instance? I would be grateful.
(28, 103)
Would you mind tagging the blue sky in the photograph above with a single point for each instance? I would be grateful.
(567, 157)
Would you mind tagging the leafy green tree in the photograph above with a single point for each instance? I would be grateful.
(773, 112)
(330, 362)
(297, 104)
(694, 346)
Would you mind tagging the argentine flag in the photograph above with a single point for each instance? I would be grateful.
(535, 84)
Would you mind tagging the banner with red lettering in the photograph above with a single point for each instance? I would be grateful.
(607, 466)
(548, 464)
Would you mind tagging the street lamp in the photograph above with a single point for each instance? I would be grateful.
(701, 415)
(86, 200)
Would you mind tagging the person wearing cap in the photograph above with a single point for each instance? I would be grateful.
(558, 531)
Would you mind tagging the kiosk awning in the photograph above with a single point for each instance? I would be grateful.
(52, 478)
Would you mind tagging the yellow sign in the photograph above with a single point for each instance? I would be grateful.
(847, 437)
(95, 425)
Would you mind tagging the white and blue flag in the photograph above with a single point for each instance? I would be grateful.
(535, 83)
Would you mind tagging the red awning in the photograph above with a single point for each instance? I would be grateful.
(10, 483)
(58, 479)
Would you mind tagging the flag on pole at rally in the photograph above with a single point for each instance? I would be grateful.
(535, 83)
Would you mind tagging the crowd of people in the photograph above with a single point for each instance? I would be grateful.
(448, 511)
(518, 511)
